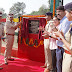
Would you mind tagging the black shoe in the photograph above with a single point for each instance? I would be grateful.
(1, 68)
(6, 63)
(11, 59)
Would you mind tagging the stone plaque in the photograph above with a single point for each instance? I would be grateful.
(33, 26)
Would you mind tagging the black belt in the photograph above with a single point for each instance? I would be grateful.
(59, 47)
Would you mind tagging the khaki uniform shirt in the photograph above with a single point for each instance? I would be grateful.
(67, 58)
(48, 58)
(47, 25)
(68, 38)
(9, 27)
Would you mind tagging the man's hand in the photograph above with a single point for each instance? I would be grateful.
(54, 29)
(21, 22)
(59, 33)
(41, 28)
(45, 34)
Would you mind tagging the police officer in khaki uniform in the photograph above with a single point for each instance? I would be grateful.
(1, 33)
(10, 31)
(67, 40)
(48, 58)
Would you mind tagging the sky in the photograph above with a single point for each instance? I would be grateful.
(31, 5)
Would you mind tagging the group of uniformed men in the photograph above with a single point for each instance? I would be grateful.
(57, 42)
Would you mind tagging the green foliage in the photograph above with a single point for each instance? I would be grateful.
(42, 10)
(4, 15)
(18, 8)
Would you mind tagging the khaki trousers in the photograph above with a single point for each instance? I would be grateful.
(67, 63)
(48, 57)
(9, 44)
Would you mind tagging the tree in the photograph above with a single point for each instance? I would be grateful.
(49, 3)
(3, 13)
(18, 8)
(42, 10)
